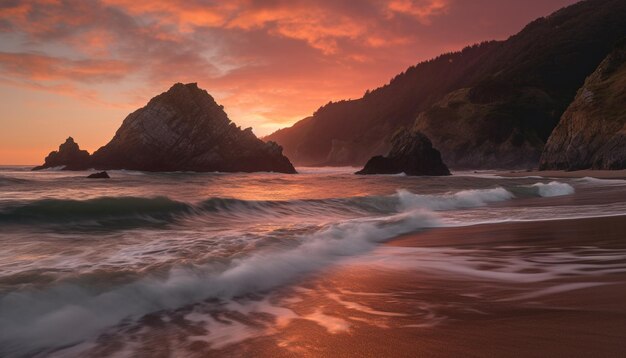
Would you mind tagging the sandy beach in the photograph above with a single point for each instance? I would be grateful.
(532, 289)
(402, 310)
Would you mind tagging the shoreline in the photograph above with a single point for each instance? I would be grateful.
(573, 231)
(508, 289)
(590, 173)
(467, 291)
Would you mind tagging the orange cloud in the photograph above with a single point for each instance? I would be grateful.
(185, 14)
(44, 68)
(269, 62)
(18, 11)
(422, 10)
(316, 25)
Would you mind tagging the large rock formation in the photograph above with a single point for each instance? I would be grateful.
(69, 157)
(509, 94)
(184, 129)
(592, 132)
(411, 153)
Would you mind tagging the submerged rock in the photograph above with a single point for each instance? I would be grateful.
(411, 153)
(69, 156)
(592, 131)
(99, 175)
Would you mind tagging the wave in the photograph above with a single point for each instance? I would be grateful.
(544, 190)
(137, 211)
(31, 320)
(37, 317)
(554, 188)
(102, 208)
(53, 169)
(459, 200)
(327, 170)
(7, 180)
(599, 181)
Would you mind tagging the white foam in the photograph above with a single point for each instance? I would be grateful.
(598, 181)
(520, 267)
(332, 324)
(64, 314)
(458, 200)
(53, 169)
(362, 308)
(67, 314)
(556, 289)
(326, 170)
(553, 188)
(221, 333)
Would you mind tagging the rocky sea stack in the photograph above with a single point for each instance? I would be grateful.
(411, 153)
(592, 132)
(69, 157)
(183, 129)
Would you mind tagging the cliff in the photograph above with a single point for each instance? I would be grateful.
(509, 94)
(592, 132)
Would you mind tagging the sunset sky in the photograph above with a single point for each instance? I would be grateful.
(79, 67)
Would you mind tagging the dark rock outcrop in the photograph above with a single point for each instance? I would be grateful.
(592, 132)
(510, 95)
(184, 129)
(411, 153)
(99, 175)
(69, 157)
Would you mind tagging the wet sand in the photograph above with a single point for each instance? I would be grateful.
(609, 232)
(413, 313)
(525, 289)
(599, 174)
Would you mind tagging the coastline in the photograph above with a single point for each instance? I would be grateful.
(604, 230)
(411, 305)
(546, 287)
(598, 174)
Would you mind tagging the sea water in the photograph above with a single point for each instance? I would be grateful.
(82, 257)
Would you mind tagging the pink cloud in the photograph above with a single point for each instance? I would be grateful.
(36, 67)
(422, 10)
(269, 62)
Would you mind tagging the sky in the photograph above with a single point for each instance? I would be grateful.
(79, 67)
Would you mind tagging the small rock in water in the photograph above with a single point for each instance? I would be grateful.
(69, 156)
(100, 175)
(411, 153)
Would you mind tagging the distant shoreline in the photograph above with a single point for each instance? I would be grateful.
(599, 174)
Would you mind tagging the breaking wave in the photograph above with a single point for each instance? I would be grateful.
(137, 211)
(554, 188)
(102, 208)
(30, 317)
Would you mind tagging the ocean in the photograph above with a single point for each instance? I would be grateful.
(185, 264)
